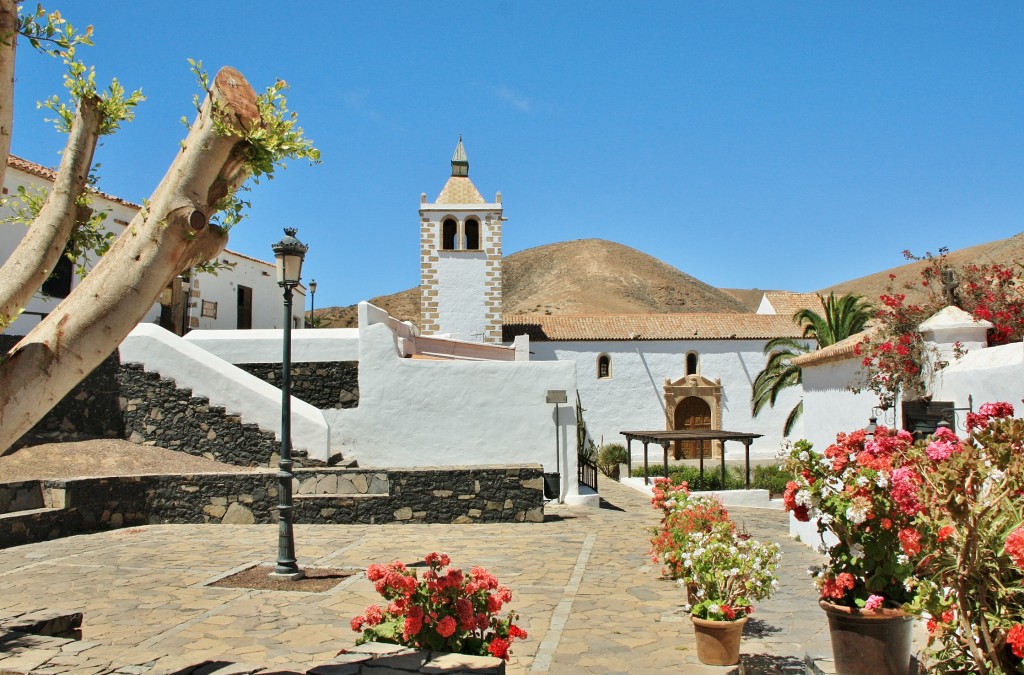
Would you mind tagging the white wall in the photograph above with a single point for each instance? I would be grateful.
(829, 405)
(633, 398)
(989, 375)
(416, 412)
(265, 346)
(461, 278)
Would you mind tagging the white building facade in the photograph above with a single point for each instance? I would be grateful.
(243, 294)
(667, 372)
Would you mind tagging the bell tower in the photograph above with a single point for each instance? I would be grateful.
(460, 259)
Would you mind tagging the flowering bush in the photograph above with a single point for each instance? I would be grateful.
(894, 353)
(727, 571)
(446, 611)
(970, 513)
(682, 514)
(863, 492)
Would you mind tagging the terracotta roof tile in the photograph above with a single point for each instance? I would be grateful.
(787, 304)
(460, 190)
(693, 326)
(840, 351)
(40, 171)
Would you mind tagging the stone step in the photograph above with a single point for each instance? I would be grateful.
(51, 622)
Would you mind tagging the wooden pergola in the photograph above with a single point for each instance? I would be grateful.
(665, 438)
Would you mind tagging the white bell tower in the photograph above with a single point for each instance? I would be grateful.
(460, 259)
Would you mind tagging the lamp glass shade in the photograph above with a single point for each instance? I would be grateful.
(289, 253)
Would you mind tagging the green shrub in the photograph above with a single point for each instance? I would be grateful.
(772, 478)
(609, 458)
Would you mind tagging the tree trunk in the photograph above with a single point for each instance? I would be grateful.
(170, 234)
(8, 43)
(43, 244)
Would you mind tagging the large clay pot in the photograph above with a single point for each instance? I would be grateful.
(718, 642)
(869, 643)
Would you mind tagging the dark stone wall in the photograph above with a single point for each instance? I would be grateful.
(89, 410)
(157, 411)
(322, 496)
(325, 385)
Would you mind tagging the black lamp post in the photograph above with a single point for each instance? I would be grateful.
(289, 253)
(312, 303)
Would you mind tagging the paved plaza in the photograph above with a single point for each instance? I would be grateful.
(586, 591)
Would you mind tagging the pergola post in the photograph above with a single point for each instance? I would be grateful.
(746, 450)
(664, 446)
(647, 480)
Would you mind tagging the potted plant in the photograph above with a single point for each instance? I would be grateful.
(610, 457)
(971, 512)
(863, 491)
(726, 573)
(446, 610)
(682, 514)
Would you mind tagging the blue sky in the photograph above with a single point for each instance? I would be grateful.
(750, 144)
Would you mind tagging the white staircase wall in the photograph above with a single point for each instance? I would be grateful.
(256, 401)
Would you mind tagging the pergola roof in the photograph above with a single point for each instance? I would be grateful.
(690, 435)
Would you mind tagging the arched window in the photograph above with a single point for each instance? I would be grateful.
(604, 367)
(449, 235)
(691, 363)
(472, 228)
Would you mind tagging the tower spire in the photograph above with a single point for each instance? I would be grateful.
(460, 164)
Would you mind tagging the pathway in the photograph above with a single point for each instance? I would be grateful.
(587, 593)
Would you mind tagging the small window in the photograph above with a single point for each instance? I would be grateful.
(58, 284)
(449, 235)
(472, 235)
(691, 363)
(209, 309)
(604, 367)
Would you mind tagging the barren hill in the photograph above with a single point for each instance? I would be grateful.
(1005, 251)
(586, 276)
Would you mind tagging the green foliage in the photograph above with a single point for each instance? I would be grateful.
(50, 33)
(268, 145)
(844, 316)
(771, 477)
(610, 456)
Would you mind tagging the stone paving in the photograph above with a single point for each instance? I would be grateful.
(586, 591)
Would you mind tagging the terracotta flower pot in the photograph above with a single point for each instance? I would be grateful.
(869, 643)
(718, 642)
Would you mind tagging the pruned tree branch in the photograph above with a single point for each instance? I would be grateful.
(39, 250)
(170, 234)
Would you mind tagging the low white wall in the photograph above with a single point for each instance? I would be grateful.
(264, 346)
(807, 533)
(427, 413)
(989, 375)
(240, 393)
(757, 499)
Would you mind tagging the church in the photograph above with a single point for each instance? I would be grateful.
(633, 371)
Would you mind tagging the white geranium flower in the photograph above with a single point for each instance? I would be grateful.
(804, 456)
(857, 512)
(857, 551)
(802, 498)
(902, 559)
(714, 609)
(862, 481)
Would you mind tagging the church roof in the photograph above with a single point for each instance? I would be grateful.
(460, 190)
(787, 304)
(691, 326)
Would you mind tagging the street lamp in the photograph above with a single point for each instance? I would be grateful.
(312, 303)
(289, 253)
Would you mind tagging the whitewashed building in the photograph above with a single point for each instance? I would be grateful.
(244, 294)
(667, 372)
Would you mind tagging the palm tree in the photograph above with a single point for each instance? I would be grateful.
(844, 316)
